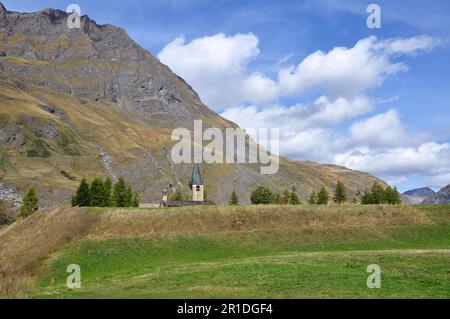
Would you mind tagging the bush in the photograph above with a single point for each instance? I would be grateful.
(261, 195)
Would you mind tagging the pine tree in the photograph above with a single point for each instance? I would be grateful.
(340, 194)
(97, 193)
(261, 195)
(294, 199)
(378, 194)
(367, 198)
(234, 200)
(312, 198)
(107, 189)
(322, 197)
(119, 193)
(135, 201)
(30, 203)
(128, 197)
(82, 197)
(392, 196)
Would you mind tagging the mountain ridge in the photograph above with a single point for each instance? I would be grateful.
(441, 197)
(91, 102)
(416, 196)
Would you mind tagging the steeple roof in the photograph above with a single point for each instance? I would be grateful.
(196, 178)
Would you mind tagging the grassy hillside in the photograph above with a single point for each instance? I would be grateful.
(279, 252)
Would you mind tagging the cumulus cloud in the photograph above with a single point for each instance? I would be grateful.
(218, 67)
(428, 159)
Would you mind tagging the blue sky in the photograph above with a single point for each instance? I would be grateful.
(257, 39)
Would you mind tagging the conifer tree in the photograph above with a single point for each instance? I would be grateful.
(30, 203)
(378, 194)
(135, 201)
(340, 194)
(107, 189)
(119, 193)
(313, 198)
(82, 197)
(234, 200)
(97, 193)
(322, 197)
(294, 200)
(128, 197)
(262, 195)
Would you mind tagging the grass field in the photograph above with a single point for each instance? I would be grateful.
(290, 252)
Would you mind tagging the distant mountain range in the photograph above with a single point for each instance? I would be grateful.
(416, 196)
(426, 195)
(441, 197)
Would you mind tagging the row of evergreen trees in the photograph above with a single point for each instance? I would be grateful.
(322, 197)
(102, 194)
(381, 195)
(378, 195)
(263, 195)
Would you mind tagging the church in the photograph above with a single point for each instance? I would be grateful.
(197, 190)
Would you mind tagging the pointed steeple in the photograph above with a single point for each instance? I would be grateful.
(196, 178)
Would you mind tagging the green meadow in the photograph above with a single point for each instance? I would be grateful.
(275, 262)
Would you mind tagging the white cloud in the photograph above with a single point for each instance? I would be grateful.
(428, 159)
(381, 130)
(351, 71)
(294, 119)
(218, 68)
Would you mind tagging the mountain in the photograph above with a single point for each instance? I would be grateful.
(416, 196)
(441, 197)
(91, 102)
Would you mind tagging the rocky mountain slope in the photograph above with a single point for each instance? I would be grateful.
(441, 197)
(416, 196)
(91, 102)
